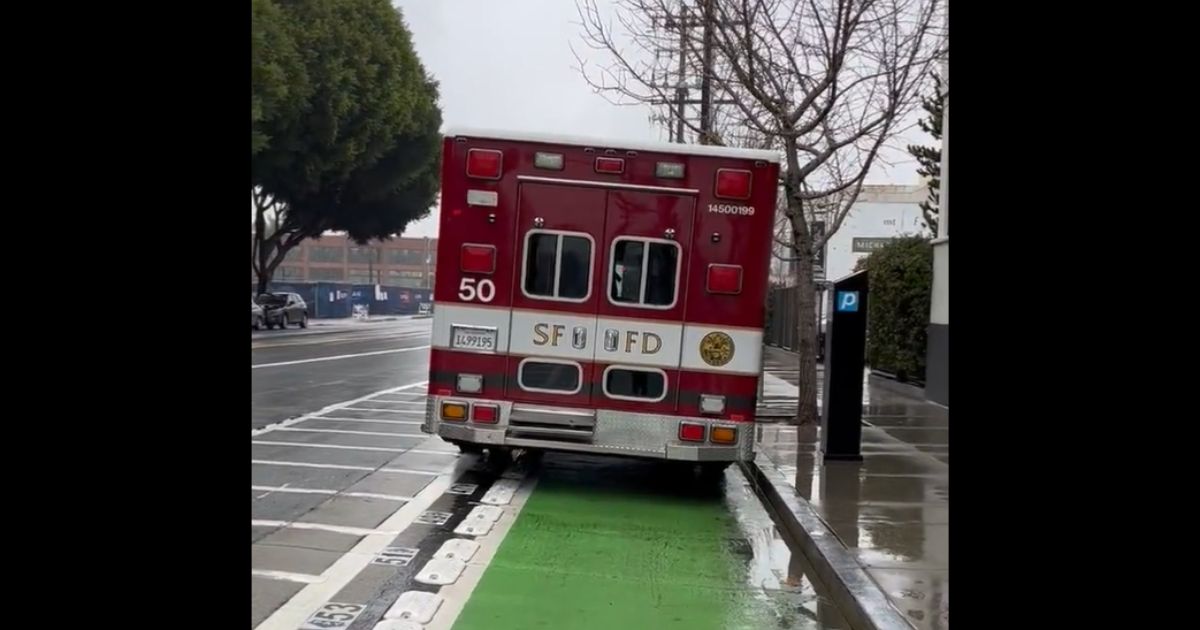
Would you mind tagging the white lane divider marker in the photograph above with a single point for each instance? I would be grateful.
(457, 548)
(501, 492)
(398, 624)
(479, 520)
(441, 571)
(415, 606)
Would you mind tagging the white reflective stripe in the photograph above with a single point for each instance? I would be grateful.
(647, 342)
(676, 339)
(447, 315)
(553, 337)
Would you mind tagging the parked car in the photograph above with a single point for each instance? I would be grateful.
(257, 317)
(283, 309)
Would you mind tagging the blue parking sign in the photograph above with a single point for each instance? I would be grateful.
(847, 301)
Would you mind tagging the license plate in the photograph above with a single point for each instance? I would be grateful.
(473, 338)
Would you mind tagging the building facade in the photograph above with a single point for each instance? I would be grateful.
(937, 352)
(881, 213)
(399, 262)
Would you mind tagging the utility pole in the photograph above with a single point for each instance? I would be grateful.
(706, 75)
(683, 21)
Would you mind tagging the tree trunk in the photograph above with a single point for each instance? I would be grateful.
(263, 281)
(806, 411)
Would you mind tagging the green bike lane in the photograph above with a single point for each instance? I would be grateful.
(609, 543)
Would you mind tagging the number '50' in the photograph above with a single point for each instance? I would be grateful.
(468, 290)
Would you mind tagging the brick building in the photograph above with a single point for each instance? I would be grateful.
(399, 262)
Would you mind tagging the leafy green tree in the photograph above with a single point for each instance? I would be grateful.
(360, 153)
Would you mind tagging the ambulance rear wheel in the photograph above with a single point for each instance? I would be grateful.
(499, 457)
(712, 472)
(468, 448)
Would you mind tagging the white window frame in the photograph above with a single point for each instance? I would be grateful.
(612, 272)
(521, 374)
(558, 265)
(635, 368)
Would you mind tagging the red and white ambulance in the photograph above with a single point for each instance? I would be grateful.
(600, 296)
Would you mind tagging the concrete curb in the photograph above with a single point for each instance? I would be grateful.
(896, 387)
(856, 595)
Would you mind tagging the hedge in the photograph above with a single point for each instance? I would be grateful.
(901, 281)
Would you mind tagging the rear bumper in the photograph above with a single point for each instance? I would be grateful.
(620, 433)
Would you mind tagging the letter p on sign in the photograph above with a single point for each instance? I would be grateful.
(847, 301)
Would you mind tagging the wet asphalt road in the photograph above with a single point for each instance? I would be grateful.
(300, 371)
(351, 504)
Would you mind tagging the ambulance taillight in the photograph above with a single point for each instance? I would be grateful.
(485, 414)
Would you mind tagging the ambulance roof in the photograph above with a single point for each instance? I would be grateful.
(656, 147)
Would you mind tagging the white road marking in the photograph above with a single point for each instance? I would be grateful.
(270, 491)
(337, 357)
(339, 419)
(408, 471)
(381, 410)
(337, 446)
(304, 430)
(284, 575)
(333, 407)
(337, 529)
(267, 462)
(360, 495)
(340, 573)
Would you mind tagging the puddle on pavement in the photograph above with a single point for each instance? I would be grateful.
(781, 579)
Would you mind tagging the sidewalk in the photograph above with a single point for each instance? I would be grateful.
(890, 512)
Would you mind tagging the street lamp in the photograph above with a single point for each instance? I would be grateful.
(427, 262)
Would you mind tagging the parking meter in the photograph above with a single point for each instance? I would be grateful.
(845, 350)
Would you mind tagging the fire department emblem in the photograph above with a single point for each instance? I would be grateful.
(716, 348)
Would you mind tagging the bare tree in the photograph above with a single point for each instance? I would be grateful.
(825, 82)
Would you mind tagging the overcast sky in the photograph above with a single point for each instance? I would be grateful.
(507, 64)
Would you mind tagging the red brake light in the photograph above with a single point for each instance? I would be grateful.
(725, 279)
(477, 258)
(610, 165)
(733, 184)
(689, 432)
(487, 414)
(484, 163)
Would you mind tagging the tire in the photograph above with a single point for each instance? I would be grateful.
(258, 323)
(713, 472)
(304, 320)
(499, 458)
(468, 448)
